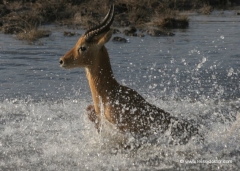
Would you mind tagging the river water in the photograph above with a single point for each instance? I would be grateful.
(193, 75)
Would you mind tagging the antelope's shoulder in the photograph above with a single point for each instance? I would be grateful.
(126, 95)
(129, 98)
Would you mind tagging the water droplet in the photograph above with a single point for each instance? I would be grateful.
(230, 72)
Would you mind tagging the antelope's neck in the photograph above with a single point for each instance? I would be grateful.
(101, 80)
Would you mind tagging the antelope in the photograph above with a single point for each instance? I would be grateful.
(123, 106)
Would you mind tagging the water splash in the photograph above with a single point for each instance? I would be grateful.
(204, 59)
(57, 135)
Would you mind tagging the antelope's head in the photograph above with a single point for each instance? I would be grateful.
(89, 46)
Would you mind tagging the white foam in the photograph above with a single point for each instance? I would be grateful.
(59, 136)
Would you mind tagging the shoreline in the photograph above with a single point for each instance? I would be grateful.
(25, 18)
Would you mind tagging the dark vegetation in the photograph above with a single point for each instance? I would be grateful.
(23, 17)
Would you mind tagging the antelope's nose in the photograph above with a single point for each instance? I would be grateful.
(61, 62)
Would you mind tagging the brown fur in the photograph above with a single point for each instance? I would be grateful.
(122, 106)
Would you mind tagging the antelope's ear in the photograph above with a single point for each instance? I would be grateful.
(105, 38)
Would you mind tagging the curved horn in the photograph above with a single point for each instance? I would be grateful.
(102, 27)
(103, 21)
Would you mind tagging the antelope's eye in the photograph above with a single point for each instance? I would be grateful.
(82, 48)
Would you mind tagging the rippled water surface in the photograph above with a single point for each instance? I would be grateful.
(193, 75)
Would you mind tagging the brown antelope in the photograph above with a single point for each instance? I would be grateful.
(123, 107)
